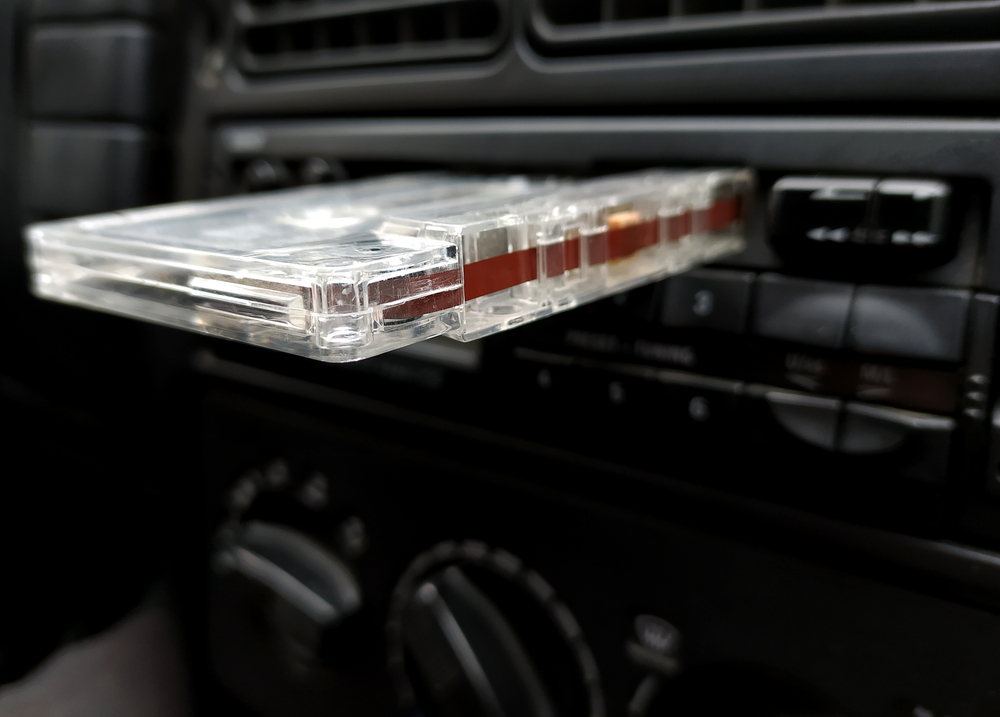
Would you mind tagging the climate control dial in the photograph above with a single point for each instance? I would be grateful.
(472, 631)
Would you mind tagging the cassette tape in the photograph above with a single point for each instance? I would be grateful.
(347, 271)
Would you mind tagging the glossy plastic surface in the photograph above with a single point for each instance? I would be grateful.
(343, 272)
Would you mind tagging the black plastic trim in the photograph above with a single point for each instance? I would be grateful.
(920, 147)
(974, 572)
(957, 71)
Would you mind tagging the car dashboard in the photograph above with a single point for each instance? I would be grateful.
(767, 485)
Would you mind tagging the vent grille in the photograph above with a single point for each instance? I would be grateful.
(297, 35)
(588, 26)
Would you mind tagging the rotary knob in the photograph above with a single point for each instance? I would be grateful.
(303, 588)
(282, 619)
(474, 632)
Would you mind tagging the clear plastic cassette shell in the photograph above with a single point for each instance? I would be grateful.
(348, 271)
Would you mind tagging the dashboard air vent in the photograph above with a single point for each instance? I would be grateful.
(573, 27)
(295, 35)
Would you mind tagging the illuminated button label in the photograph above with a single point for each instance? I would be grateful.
(704, 302)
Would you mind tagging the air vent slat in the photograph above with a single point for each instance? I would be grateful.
(360, 28)
(572, 12)
(294, 35)
(429, 24)
(404, 26)
(576, 27)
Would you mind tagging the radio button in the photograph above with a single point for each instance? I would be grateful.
(910, 211)
(802, 310)
(819, 209)
(709, 299)
(918, 323)
(812, 419)
(921, 441)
